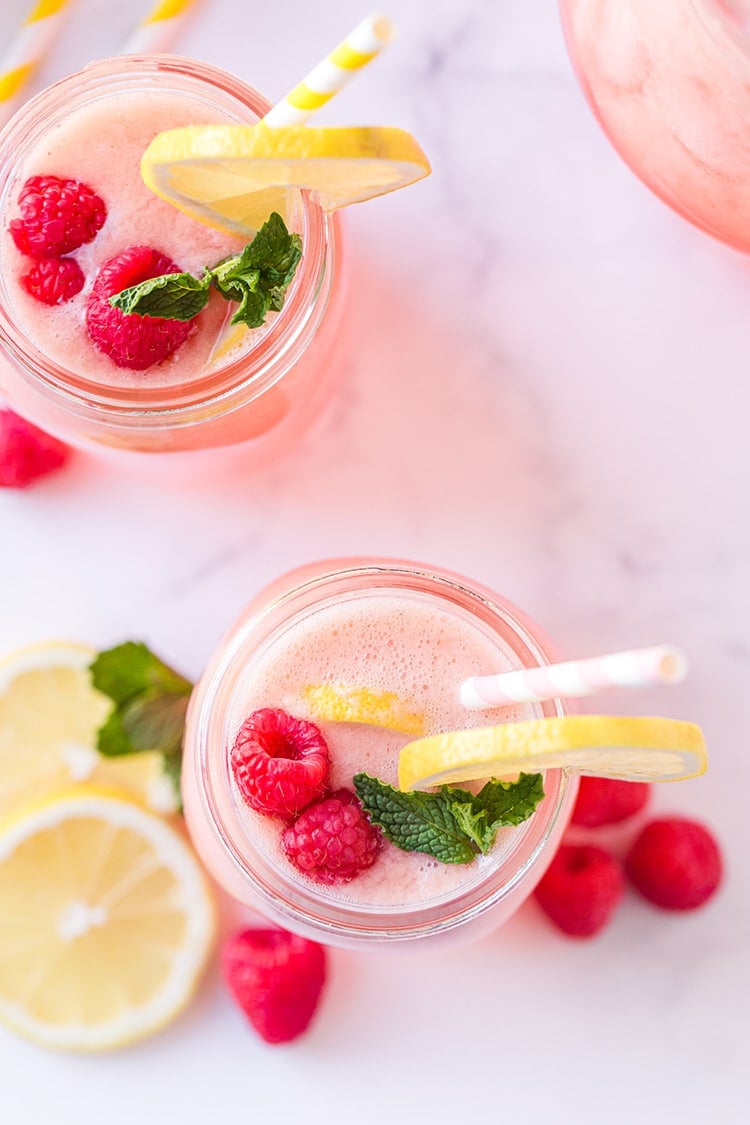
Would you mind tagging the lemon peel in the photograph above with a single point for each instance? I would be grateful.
(232, 177)
(625, 747)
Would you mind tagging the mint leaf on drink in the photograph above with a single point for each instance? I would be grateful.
(172, 296)
(500, 804)
(451, 824)
(150, 703)
(256, 279)
(415, 822)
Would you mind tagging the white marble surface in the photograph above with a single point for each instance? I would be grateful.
(558, 407)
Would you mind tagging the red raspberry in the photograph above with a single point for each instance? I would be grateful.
(276, 978)
(280, 763)
(132, 341)
(57, 216)
(675, 863)
(26, 453)
(580, 889)
(54, 280)
(602, 800)
(333, 840)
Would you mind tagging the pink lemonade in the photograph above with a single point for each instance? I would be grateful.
(386, 628)
(220, 386)
(669, 81)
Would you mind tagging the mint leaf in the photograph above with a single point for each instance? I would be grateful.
(172, 296)
(500, 804)
(415, 822)
(256, 279)
(150, 703)
(131, 668)
(451, 824)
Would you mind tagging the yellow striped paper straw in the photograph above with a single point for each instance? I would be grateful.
(329, 76)
(159, 29)
(34, 39)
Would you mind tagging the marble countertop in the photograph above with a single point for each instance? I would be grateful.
(558, 408)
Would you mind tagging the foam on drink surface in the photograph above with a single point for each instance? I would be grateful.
(406, 644)
(102, 145)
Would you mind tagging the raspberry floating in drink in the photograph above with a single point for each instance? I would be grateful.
(136, 342)
(333, 840)
(280, 764)
(57, 217)
(54, 280)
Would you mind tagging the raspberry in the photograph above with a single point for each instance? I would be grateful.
(132, 341)
(580, 889)
(276, 978)
(675, 863)
(602, 800)
(57, 216)
(332, 841)
(279, 763)
(54, 280)
(26, 453)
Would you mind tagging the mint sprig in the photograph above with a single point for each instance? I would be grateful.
(256, 279)
(150, 703)
(450, 824)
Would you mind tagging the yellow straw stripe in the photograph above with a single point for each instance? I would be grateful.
(302, 97)
(361, 46)
(167, 10)
(349, 59)
(12, 82)
(44, 9)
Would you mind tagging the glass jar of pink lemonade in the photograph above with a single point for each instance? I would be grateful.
(404, 632)
(669, 80)
(219, 387)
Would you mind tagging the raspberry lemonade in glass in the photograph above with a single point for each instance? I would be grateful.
(198, 308)
(295, 730)
(669, 81)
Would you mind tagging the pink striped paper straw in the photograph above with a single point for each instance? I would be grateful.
(642, 667)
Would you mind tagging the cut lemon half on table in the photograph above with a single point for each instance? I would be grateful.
(49, 717)
(624, 747)
(233, 176)
(105, 921)
(339, 704)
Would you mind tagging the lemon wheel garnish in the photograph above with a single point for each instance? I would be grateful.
(233, 176)
(632, 749)
(339, 704)
(105, 921)
(49, 716)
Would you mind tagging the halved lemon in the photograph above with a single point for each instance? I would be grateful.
(105, 921)
(49, 716)
(336, 703)
(233, 176)
(625, 747)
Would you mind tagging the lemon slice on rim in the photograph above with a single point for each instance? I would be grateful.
(49, 716)
(632, 749)
(105, 921)
(339, 704)
(233, 176)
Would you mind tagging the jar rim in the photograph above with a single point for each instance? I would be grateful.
(235, 383)
(279, 893)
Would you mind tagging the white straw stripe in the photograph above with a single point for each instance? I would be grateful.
(576, 678)
(327, 78)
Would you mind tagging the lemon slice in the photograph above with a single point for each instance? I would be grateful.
(233, 176)
(632, 749)
(49, 716)
(105, 921)
(338, 704)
